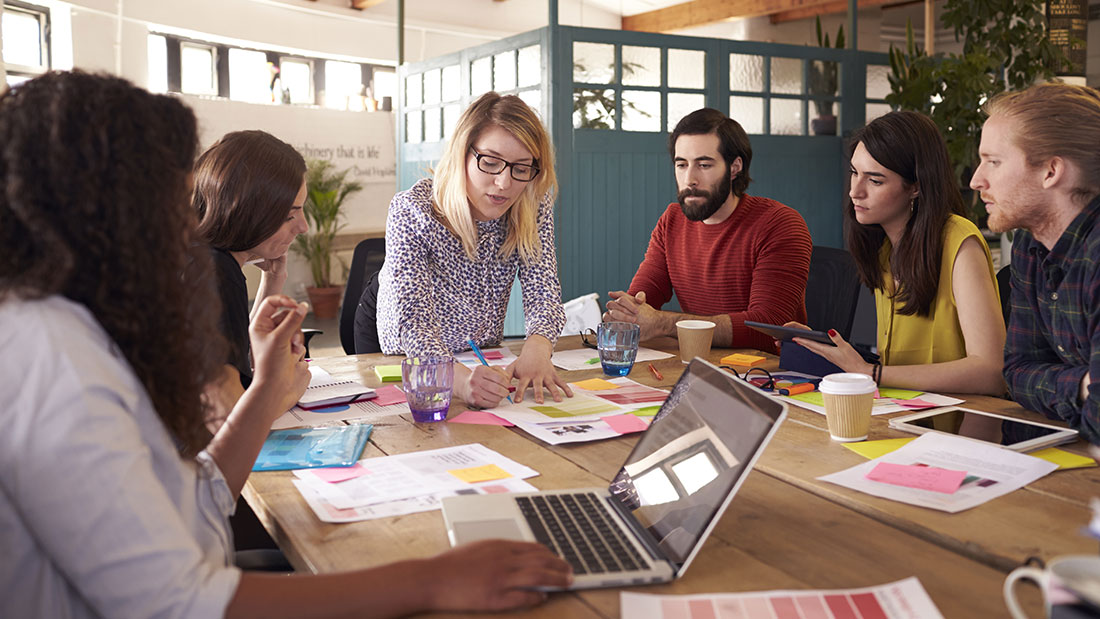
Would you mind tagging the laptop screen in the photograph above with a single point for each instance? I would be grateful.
(693, 454)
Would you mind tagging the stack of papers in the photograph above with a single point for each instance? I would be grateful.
(409, 483)
(589, 358)
(888, 401)
(324, 390)
(384, 402)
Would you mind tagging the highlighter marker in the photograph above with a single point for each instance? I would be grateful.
(797, 388)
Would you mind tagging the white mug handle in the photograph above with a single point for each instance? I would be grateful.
(1026, 573)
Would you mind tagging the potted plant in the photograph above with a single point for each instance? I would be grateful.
(823, 84)
(326, 190)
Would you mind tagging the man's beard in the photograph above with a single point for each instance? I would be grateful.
(717, 196)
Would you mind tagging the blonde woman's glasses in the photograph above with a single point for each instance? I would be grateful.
(522, 172)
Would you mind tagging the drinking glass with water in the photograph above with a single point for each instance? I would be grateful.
(618, 346)
(428, 382)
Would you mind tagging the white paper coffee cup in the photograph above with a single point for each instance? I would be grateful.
(848, 401)
(695, 337)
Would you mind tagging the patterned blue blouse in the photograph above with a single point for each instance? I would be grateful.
(432, 297)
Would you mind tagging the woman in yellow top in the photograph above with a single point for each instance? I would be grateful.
(940, 326)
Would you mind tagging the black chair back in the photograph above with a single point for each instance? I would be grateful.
(366, 319)
(365, 262)
(832, 290)
(1004, 287)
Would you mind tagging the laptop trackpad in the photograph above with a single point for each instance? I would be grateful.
(466, 532)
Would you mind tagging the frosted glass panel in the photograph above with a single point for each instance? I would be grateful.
(681, 104)
(641, 110)
(874, 110)
(450, 119)
(686, 68)
(878, 86)
(504, 71)
(749, 112)
(787, 75)
(414, 127)
(432, 125)
(593, 62)
(432, 84)
(452, 83)
(786, 117)
(747, 72)
(593, 109)
(481, 76)
(530, 66)
(414, 90)
(641, 66)
(533, 98)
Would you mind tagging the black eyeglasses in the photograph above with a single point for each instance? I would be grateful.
(766, 382)
(584, 339)
(522, 172)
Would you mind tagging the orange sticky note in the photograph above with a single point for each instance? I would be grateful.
(474, 474)
(743, 360)
(596, 384)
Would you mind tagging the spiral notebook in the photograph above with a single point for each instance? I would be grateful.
(324, 390)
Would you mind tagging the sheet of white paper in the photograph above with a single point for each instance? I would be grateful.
(580, 406)
(991, 472)
(569, 431)
(469, 358)
(882, 406)
(366, 411)
(904, 599)
(582, 358)
(628, 394)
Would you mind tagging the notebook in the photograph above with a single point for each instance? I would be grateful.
(324, 390)
(650, 522)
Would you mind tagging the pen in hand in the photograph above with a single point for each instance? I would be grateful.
(481, 357)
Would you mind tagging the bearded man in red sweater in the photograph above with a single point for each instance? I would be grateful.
(728, 256)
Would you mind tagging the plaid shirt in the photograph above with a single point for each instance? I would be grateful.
(1054, 328)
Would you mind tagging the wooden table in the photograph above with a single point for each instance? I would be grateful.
(783, 530)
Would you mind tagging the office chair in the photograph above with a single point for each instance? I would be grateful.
(832, 290)
(365, 263)
(1004, 287)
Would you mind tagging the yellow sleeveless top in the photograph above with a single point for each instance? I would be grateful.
(917, 340)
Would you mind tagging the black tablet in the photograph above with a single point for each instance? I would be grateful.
(788, 333)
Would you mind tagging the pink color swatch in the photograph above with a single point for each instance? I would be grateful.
(916, 403)
(337, 475)
(625, 424)
(481, 418)
(920, 477)
(492, 355)
(390, 394)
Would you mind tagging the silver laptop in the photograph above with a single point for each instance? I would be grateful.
(651, 521)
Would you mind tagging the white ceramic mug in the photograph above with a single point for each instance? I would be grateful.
(1065, 580)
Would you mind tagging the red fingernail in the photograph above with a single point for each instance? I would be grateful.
(832, 332)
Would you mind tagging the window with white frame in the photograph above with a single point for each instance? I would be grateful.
(252, 79)
(26, 39)
(296, 75)
(343, 85)
(198, 69)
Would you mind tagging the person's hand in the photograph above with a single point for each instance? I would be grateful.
(533, 368)
(625, 307)
(484, 387)
(493, 575)
(279, 351)
(1085, 381)
(274, 268)
(842, 355)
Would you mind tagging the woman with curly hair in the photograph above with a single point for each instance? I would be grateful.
(113, 497)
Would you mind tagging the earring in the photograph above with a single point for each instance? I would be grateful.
(912, 204)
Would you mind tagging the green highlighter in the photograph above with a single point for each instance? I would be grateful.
(388, 373)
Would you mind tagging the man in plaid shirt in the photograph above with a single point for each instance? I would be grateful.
(1040, 172)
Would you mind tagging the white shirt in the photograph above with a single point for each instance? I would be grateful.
(99, 514)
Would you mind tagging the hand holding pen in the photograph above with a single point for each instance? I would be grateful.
(493, 383)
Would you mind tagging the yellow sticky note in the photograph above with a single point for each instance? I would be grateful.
(596, 384)
(1063, 458)
(874, 449)
(810, 397)
(742, 359)
(474, 474)
(898, 394)
(388, 373)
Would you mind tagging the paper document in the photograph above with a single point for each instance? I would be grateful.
(990, 472)
(904, 599)
(589, 358)
(365, 410)
(815, 402)
(324, 390)
(494, 356)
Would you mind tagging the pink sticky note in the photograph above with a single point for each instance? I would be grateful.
(388, 395)
(625, 424)
(481, 418)
(916, 403)
(337, 475)
(918, 476)
(495, 355)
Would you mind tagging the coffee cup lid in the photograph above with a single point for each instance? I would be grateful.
(847, 383)
(696, 324)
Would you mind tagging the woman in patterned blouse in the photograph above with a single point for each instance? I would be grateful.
(455, 243)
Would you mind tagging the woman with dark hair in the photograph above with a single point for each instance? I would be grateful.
(113, 497)
(940, 326)
(249, 194)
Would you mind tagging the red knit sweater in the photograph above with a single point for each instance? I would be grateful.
(752, 266)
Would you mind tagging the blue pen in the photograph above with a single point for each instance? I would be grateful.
(477, 351)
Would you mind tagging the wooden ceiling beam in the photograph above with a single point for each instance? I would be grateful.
(832, 8)
(700, 12)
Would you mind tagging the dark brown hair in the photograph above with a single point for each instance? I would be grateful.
(733, 142)
(245, 184)
(910, 145)
(93, 207)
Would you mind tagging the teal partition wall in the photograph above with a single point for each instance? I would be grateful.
(609, 99)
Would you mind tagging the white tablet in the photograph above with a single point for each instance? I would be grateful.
(1015, 434)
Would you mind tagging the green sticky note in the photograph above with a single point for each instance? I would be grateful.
(388, 373)
(898, 394)
(810, 397)
(648, 411)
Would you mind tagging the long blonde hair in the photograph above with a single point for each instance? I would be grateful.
(449, 200)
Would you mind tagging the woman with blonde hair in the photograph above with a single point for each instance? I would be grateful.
(457, 241)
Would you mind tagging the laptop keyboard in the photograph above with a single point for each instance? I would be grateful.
(578, 528)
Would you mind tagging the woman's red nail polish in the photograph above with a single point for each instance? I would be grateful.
(832, 332)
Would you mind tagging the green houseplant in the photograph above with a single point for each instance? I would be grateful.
(823, 84)
(326, 190)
